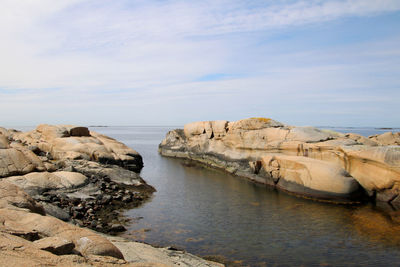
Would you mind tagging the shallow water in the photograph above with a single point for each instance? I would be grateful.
(209, 212)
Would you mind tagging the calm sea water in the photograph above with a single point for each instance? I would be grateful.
(209, 212)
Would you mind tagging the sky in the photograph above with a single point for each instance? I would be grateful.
(120, 62)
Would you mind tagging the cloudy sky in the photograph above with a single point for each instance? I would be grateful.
(128, 62)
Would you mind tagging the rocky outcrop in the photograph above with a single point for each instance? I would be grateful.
(29, 237)
(75, 143)
(316, 163)
(77, 175)
(22, 217)
(55, 179)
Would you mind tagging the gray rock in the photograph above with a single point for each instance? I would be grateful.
(55, 211)
(117, 228)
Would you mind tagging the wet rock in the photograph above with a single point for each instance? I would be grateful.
(56, 211)
(127, 198)
(105, 199)
(117, 228)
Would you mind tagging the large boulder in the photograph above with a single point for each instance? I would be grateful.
(253, 124)
(309, 176)
(18, 161)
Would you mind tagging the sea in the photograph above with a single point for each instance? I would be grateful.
(216, 215)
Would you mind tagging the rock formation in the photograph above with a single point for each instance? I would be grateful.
(320, 164)
(77, 175)
(57, 178)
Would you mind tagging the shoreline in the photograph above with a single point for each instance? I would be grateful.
(305, 161)
(59, 182)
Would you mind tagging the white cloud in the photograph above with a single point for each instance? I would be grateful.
(146, 54)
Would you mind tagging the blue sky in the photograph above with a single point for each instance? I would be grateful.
(87, 62)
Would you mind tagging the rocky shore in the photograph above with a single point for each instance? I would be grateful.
(310, 162)
(56, 180)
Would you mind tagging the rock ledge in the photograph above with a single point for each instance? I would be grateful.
(307, 161)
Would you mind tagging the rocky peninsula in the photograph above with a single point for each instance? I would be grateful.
(55, 180)
(306, 161)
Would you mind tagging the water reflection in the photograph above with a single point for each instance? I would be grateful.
(209, 212)
(378, 224)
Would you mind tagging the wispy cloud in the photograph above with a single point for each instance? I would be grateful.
(65, 60)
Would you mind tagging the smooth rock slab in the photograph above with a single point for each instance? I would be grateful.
(55, 245)
(36, 183)
(15, 162)
(311, 173)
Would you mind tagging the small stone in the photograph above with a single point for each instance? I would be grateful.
(44, 198)
(77, 215)
(70, 169)
(127, 198)
(106, 199)
(117, 197)
(78, 208)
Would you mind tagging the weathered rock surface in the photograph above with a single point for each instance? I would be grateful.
(70, 142)
(30, 238)
(139, 252)
(387, 138)
(317, 163)
(79, 177)
(21, 216)
(36, 183)
(18, 161)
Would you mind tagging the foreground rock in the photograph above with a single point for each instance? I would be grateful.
(57, 178)
(29, 237)
(77, 175)
(316, 163)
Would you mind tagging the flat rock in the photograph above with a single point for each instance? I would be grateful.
(142, 253)
(36, 183)
(55, 245)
